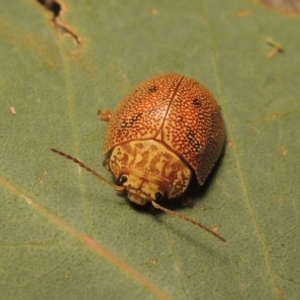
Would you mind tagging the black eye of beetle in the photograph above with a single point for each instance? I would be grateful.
(121, 180)
(159, 196)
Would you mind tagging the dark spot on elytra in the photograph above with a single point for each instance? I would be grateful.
(153, 89)
(194, 145)
(197, 102)
(136, 117)
(151, 111)
(129, 123)
(190, 135)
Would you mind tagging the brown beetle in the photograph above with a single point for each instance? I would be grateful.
(167, 128)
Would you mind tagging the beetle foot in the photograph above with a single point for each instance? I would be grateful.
(104, 115)
(106, 164)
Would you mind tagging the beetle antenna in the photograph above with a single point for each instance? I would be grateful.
(82, 165)
(156, 205)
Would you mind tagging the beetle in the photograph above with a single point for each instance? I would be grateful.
(166, 129)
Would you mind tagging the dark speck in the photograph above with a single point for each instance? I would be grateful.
(152, 89)
(197, 102)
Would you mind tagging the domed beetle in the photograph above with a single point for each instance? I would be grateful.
(167, 128)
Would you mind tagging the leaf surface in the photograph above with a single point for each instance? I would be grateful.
(66, 235)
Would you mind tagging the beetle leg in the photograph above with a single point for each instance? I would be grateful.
(106, 164)
(119, 189)
(104, 115)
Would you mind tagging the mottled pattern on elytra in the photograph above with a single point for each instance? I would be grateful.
(141, 114)
(194, 127)
(176, 110)
(150, 167)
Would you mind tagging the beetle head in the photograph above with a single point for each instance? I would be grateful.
(140, 190)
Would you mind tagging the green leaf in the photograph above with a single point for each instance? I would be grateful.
(66, 235)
